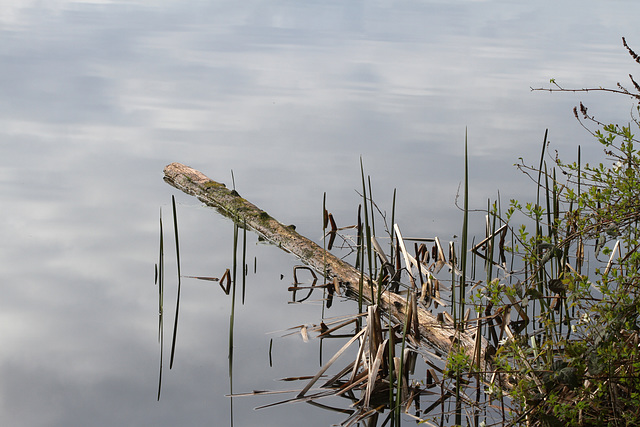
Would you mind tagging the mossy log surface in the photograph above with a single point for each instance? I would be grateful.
(232, 205)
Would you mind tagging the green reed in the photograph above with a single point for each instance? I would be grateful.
(175, 324)
(233, 310)
(244, 259)
(160, 283)
(367, 230)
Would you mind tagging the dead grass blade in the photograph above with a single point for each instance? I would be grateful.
(373, 372)
(336, 286)
(298, 398)
(210, 279)
(335, 328)
(333, 382)
(329, 363)
(355, 382)
(333, 233)
(409, 261)
(379, 251)
(358, 361)
(439, 257)
(289, 379)
(613, 252)
(375, 328)
(225, 281)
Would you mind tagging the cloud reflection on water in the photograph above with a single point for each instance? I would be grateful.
(98, 97)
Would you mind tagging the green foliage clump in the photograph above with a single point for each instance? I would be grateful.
(581, 365)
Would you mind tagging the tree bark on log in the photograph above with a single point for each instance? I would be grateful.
(230, 204)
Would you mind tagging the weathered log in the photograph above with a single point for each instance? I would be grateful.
(229, 203)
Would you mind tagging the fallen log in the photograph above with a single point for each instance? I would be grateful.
(229, 203)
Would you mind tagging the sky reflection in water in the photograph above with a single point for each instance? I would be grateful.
(96, 98)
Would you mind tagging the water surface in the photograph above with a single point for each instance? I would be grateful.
(97, 97)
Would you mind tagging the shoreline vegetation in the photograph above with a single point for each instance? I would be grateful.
(536, 324)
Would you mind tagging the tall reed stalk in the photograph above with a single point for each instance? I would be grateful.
(463, 274)
(367, 231)
(175, 324)
(232, 315)
(160, 283)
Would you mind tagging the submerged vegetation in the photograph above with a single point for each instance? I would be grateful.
(549, 297)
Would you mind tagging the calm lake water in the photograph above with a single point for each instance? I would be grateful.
(97, 97)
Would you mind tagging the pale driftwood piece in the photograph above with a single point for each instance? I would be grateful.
(231, 204)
